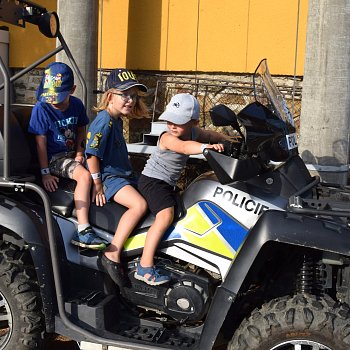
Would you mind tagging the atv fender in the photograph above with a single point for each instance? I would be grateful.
(26, 227)
(289, 228)
(278, 226)
(23, 221)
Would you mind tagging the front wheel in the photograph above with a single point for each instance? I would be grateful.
(21, 319)
(303, 322)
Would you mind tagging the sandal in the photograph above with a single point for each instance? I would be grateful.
(114, 270)
(155, 278)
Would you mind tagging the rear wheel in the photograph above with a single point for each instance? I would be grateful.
(21, 319)
(302, 322)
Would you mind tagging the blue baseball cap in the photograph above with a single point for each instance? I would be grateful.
(123, 79)
(57, 83)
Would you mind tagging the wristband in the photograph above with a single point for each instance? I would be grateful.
(203, 147)
(96, 176)
(45, 171)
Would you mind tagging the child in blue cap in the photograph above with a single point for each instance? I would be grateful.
(109, 164)
(58, 120)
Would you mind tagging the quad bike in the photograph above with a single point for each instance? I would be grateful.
(259, 252)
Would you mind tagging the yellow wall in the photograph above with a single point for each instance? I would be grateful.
(272, 34)
(114, 32)
(188, 35)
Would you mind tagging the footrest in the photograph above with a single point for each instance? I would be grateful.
(160, 335)
(94, 309)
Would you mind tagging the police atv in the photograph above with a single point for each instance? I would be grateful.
(258, 254)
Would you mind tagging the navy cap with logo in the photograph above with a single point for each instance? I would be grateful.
(56, 84)
(123, 79)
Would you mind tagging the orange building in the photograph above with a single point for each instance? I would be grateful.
(187, 35)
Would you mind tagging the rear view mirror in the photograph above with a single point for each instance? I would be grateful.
(221, 115)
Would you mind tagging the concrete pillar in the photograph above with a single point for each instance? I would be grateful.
(325, 113)
(79, 28)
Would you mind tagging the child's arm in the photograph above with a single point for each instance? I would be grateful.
(49, 181)
(211, 136)
(80, 142)
(98, 195)
(175, 144)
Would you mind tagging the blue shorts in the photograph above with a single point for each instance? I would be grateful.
(112, 184)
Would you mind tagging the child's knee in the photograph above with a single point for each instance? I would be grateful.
(166, 215)
(142, 206)
(84, 177)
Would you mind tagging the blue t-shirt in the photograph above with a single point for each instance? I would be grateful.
(59, 127)
(105, 140)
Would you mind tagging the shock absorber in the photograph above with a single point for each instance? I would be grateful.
(311, 277)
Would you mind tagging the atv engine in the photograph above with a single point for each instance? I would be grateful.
(184, 299)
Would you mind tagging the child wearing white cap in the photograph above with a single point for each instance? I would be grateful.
(158, 179)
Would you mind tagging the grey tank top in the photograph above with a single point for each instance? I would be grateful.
(166, 165)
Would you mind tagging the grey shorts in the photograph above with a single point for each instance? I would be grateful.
(63, 165)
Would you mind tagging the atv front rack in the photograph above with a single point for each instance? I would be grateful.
(328, 199)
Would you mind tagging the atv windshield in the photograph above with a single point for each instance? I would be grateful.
(266, 92)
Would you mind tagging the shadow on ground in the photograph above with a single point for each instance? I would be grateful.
(59, 342)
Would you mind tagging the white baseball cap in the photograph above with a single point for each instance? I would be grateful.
(181, 109)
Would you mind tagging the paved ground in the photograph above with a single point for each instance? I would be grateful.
(62, 343)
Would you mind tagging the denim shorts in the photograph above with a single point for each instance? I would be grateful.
(63, 164)
(112, 184)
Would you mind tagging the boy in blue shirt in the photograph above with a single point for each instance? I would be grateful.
(58, 120)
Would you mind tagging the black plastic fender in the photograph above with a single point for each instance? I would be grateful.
(24, 221)
(29, 226)
(289, 228)
(278, 226)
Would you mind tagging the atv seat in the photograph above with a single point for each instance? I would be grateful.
(108, 216)
(22, 160)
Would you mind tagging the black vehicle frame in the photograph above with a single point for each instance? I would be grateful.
(289, 283)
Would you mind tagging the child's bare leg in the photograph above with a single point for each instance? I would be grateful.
(82, 193)
(85, 236)
(146, 271)
(155, 233)
(130, 198)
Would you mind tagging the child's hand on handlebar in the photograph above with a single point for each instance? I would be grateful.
(219, 147)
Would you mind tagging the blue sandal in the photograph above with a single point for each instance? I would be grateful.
(155, 278)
